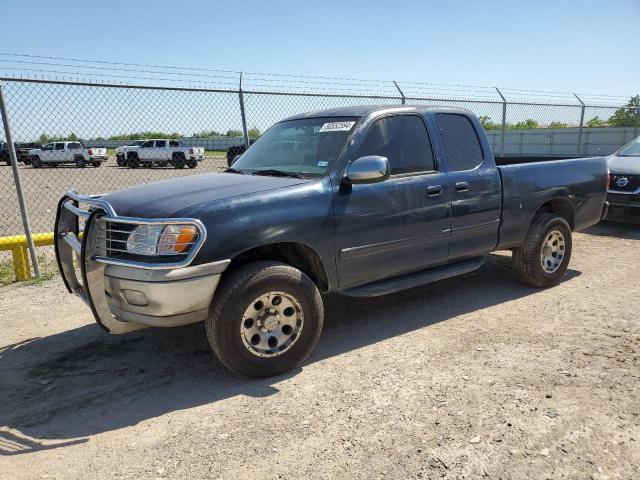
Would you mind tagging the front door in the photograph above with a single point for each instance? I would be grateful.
(398, 226)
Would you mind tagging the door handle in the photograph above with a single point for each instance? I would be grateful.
(462, 186)
(434, 190)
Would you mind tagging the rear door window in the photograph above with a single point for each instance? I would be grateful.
(59, 146)
(161, 143)
(460, 140)
(403, 140)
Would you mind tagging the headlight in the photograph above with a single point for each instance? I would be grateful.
(161, 239)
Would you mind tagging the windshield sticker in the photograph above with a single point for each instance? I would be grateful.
(323, 163)
(337, 127)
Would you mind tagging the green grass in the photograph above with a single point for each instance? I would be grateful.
(48, 270)
(6, 273)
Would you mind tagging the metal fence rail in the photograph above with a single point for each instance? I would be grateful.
(113, 115)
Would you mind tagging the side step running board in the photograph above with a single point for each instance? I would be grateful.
(384, 287)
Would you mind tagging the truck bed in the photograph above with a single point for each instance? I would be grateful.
(577, 184)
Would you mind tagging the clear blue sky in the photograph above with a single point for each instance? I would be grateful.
(584, 46)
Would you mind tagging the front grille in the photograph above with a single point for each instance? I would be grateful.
(618, 182)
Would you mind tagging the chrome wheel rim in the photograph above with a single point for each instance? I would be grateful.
(271, 324)
(552, 251)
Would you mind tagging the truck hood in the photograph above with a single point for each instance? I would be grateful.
(624, 165)
(166, 198)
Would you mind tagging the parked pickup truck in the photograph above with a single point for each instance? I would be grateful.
(364, 201)
(121, 161)
(624, 185)
(162, 153)
(22, 151)
(59, 153)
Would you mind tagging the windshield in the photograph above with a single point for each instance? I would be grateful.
(631, 149)
(303, 147)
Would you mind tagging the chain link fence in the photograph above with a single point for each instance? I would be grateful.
(45, 113)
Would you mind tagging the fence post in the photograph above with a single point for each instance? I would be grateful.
(403, 100)
(635, 128)
(245, 133)
(581, 124)
(16, 177)
(504, 120)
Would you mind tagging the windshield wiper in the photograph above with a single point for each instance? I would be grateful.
(276, 173)
(235, 170)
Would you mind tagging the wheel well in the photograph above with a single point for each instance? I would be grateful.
(132, 155)
(297, 255)
(178, 155)
(78, 157)
(560, 206)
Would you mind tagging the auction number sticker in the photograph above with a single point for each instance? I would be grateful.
(337, 127)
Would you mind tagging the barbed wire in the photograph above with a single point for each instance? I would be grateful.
(281, 81)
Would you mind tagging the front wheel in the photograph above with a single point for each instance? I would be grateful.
(80, 162)
(265, 319)
(36, 162)
(544, 256)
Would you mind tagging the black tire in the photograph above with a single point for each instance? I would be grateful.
(120, 161)
(80, 162)
(178, 161)
(96, 164)
(36, 162)
(527, 259)
(234, 295)
(133, 161)
(192, 163)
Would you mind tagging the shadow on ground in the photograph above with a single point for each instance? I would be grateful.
(628, 231)
(82, 382)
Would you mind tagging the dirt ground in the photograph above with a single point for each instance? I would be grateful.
(473, 377)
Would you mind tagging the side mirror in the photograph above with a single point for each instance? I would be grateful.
(369, 169)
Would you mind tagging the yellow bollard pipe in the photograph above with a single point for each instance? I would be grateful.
(18, 246)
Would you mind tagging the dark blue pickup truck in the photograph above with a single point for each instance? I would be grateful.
(361, 201)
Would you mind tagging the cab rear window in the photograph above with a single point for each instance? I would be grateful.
(461, 142)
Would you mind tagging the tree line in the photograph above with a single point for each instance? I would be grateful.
(622, 117)
(205, 134)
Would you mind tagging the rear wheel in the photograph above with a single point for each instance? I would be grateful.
(178, 161)
(36, 162)
(265, 319)
(133, 161)
(120, 161)
(544, 256)
(80, 162)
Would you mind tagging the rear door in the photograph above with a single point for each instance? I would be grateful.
(475, 184)
(400, 225)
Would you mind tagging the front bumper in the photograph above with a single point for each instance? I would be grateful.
(126, 296)
(198, 158)
(99, 159)
(623, 207)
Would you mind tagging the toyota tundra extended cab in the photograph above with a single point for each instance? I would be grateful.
(363, 201)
